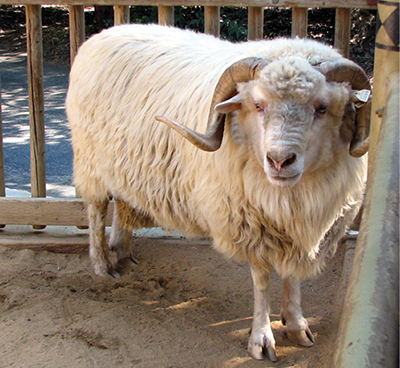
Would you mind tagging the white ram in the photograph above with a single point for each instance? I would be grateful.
(281, 119)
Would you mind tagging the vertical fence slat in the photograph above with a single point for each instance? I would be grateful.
(342, 31)
(76, 37)
(211, 20)
(166, 15)
(76, 29)
(34, 45)
(255, 23)
(2, 177)
(121, 14)
(299, 22)
(36, 99)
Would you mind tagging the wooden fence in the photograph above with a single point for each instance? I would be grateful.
(39, 210)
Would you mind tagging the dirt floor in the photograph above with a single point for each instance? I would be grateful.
(183, 306)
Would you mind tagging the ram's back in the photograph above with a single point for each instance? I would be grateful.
(135, 68)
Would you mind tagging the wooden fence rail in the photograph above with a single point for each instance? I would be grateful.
(121, 12)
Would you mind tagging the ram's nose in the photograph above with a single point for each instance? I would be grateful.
(279, 160)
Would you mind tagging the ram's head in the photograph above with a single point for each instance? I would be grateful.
(296, 116)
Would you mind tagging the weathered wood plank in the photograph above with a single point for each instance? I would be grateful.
(76, 29)
(255, 23)
(2, 179)
(367, 4)
(36, 99)
(211, 20)
(299, 22)
(121, 14)
(342, 31)
(166, 15)
(49, 211)
(386, 69)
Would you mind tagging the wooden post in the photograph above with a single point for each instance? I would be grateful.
(255, 23)
(36, 100)
(342, 31)
(166, 15)
(76, 35)
(299, 22)
(76, 29)
(121, 14)
(2, 177)
(211, 20)
(365, 339)
(386, 66)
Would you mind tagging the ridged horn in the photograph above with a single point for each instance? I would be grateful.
(242, 71)
(344, 70)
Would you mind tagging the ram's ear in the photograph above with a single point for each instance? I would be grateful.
(234, 103)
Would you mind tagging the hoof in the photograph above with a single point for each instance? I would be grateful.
(262, 346)
(114, 274)
(302, 338)
(109, 273)
(127, 264)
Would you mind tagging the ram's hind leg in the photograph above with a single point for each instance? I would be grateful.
(291, 315)
(99, 252)
(120, 239)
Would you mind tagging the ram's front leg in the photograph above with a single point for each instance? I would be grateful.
(261, 340)
(291, 315)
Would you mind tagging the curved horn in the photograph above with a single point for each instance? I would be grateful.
(344, 70)
(242, 71)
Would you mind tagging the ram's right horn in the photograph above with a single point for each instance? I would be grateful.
(242, 71)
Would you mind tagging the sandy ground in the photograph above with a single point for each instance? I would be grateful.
(183, 306)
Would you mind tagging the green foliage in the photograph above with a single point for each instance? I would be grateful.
(144, 14)
(277, 21)
(189, 17)
(233, 20)
(234, 24)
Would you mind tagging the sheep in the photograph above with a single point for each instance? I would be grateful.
(274, 180)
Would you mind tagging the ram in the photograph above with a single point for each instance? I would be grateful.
(264, 154)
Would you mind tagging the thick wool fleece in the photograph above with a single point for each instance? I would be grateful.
(125, 76)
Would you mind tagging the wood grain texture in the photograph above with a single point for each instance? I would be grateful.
(256, 23)
(36, 99)
(166, 15)
(342, 31)
(76, 29)
(211, 20)
(45, 211)
(299, 22)
(121, 14)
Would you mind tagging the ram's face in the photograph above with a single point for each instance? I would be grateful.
(292, 119)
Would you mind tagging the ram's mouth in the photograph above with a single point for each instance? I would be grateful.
(285, 181)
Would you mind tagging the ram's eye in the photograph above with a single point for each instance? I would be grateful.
(258, 106)
(322, 109)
